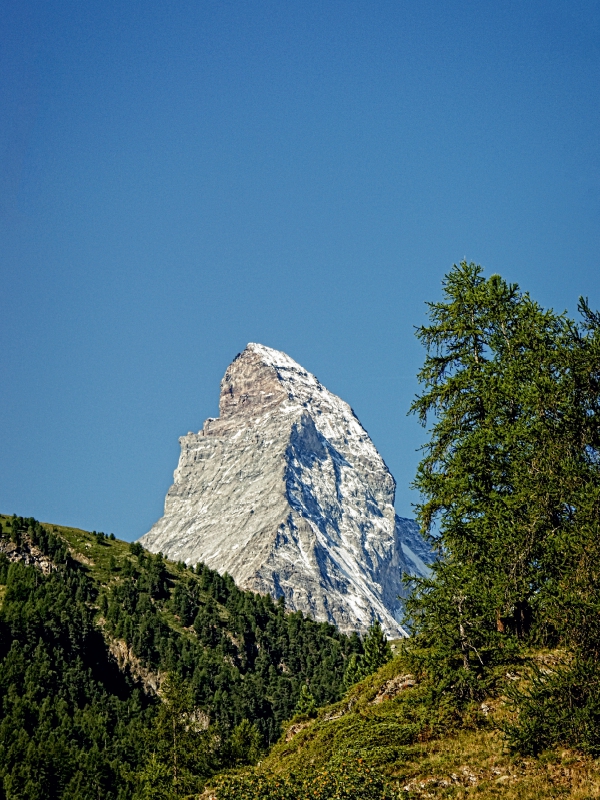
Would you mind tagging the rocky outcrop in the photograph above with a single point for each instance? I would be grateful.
(127, 661)
(26, 552)
(286, 492)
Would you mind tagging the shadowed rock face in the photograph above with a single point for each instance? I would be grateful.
(286, 492)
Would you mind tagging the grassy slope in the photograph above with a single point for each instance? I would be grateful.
(428, 752)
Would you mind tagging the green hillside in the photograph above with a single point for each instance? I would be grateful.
(394, 737)
(91, 627)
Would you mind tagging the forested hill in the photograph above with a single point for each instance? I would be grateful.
(91, 626)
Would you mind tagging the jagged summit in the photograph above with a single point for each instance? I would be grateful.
(276, 358)
(286, 492)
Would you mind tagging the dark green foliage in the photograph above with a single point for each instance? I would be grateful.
(4, 566)
(29, 529)
(354, 781)
(457, 642)
(353, 673)
(488, 376)
(245, 744)
(306, 702)
(510, 487)
(244, 656)
(69, 720)
(181, 751)
(561, 706)
(100, 536)
(377, 652)
(73, 725)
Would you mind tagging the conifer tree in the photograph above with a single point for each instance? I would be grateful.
(509, 479)
(245, 743)
(353, 673)
(306, 701)
(377, 651)
(181, 751)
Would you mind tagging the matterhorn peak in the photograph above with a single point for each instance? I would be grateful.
(286, 492)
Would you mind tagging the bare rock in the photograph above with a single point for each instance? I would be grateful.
(286, 492)
(27, 553)
(393, 687)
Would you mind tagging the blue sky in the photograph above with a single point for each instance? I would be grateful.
(177, 180)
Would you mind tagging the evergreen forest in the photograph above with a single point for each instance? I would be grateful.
(91, 627)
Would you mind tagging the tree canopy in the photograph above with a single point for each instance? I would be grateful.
(75, 722)
(509, 479)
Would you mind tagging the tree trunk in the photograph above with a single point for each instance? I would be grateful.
(499, 622)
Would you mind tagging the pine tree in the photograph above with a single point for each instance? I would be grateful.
(376, 653)
(495, 390)
(181, 751)
(353, 673)
(509, 480)
(245, 744)
(306, 702)
(377, 650)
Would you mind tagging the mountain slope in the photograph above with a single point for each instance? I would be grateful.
(69, 718)
(286, 492)
(90, 628)
(392, 736)
(79, 717)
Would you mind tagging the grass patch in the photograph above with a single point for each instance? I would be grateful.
(422, 745)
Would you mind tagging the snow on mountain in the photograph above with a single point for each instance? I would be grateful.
(286, 492)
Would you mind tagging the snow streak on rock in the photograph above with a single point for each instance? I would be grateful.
(286, 492)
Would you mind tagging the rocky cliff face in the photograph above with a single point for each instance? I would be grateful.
(286, 492)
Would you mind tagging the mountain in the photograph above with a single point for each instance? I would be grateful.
(286, 492)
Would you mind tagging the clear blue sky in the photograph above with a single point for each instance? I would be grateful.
(178, 179)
